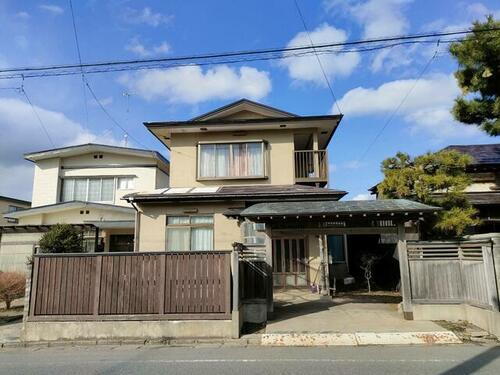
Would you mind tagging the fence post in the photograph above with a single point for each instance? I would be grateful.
(404, 270)
(235, 313)
(33, 289)
(97, 290)
(269, 269)
(490, 276)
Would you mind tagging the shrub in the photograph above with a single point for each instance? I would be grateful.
(61, 238)
(12, 286)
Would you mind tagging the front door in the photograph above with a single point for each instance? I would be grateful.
(289, 262)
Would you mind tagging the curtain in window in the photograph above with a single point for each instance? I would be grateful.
(202, 239)
(222, 161)
(80, 189)
(207, 160)
(107, 189)
(177, 239)
(95, 190)
(255, 159)
(68, 187)
(178, 220)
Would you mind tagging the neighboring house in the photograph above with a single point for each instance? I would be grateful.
(484, 191)
(83, 186)
(8, 205)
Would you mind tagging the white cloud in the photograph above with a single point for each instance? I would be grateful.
(307, 68)
(52, 8)
(363, 197)
(378, 18)
(23, 15)
(426, 109)
(192, 85)
(363, 101)
(136, 47)
(22, 133)
(145, 16)
(469, 13)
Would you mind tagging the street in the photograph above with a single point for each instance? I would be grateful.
(457, 359)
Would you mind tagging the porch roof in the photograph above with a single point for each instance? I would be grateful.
(237, 192)
(335, 208)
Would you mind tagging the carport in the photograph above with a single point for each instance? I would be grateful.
(313, 221)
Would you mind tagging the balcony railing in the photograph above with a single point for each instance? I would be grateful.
(311, 166)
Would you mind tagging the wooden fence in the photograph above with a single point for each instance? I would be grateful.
(131, 286)
(453, 272)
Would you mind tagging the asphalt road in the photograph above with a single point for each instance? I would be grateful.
(458, 359)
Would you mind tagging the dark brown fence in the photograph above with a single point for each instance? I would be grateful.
(129, 286)
(254, 279)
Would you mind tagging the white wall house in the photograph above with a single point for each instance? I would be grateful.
(83, 185)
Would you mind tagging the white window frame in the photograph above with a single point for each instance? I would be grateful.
(130, 183)
(87, 179)
(231, 144)
(190, 226)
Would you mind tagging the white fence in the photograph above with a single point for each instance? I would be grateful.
(453, 272)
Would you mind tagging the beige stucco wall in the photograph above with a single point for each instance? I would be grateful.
(48, 174)
(280, 157)
(152, 231)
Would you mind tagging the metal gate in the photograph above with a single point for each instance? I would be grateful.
(290, 262)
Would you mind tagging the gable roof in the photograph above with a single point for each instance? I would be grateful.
(94, 147)
(482, 154)
(246, 115)
(241, 105)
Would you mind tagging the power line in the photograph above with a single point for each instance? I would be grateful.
(213, 58)
(396, 110)
(80, 61)
(226, 61)
(22, 90)
(317, 57)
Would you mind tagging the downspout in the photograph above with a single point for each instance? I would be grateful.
(137, 226)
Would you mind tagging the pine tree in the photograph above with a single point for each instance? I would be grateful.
(437, 179)
(478, 75)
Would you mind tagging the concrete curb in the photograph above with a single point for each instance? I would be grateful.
(273, 339)
(360, 338)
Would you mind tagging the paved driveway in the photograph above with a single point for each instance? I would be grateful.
(303, 311)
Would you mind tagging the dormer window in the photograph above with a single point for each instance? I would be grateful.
(231, 160)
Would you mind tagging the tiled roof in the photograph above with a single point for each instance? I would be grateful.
(482, 154)
(336, 207)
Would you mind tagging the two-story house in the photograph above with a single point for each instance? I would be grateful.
(8, 205)
(227, 160)
(83, 185)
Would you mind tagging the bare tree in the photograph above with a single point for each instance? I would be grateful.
(12, 286)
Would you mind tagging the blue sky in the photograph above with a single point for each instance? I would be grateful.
(369, 86)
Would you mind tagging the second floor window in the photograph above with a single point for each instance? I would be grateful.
(88, 189)
(231, 160)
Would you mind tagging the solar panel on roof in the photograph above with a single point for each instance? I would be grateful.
(177, 190)
(209, 189)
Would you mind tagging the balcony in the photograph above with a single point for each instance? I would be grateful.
(311, 167)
